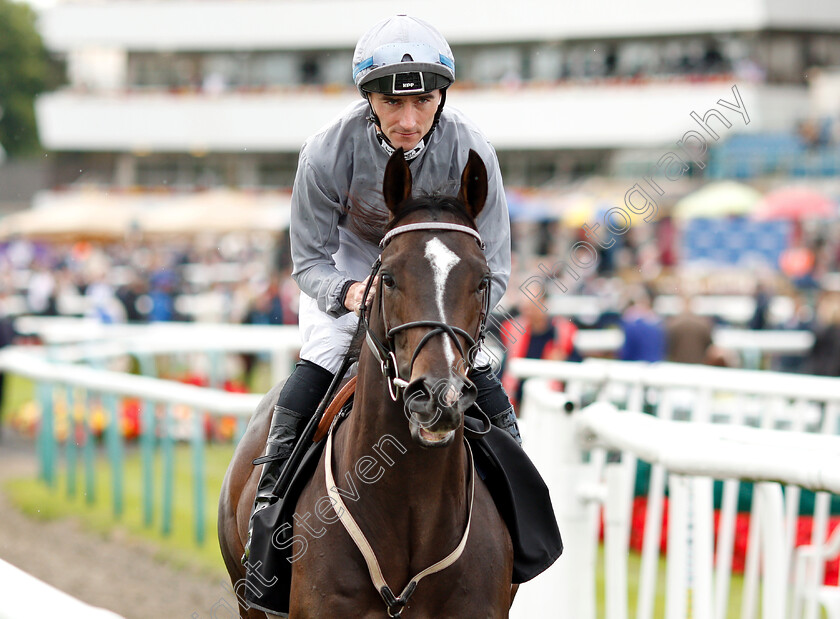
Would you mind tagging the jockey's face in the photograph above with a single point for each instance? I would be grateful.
(405, 119)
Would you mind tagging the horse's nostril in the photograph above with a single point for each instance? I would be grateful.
(418, 389)
(417, 397)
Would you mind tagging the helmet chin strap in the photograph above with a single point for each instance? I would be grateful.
(385, 143)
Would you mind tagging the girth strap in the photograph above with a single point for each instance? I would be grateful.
(395, 604)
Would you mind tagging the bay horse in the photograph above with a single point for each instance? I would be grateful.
(413, 503)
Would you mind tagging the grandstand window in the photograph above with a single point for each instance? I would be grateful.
(575, 66)
(635, 58)
(225, 70)
(309, 70)
(277, 171)
(334, 67)
(495, 64)
(782, 56)
(273, 69)
(546, 62)
(823, 51)
(184, 172)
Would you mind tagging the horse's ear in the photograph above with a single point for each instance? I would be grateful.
(473, 192)
(396, 187)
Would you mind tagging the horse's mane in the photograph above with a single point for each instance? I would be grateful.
(370, 222)
(436, 204)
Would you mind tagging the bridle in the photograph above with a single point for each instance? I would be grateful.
(388, 362)
(384, 352)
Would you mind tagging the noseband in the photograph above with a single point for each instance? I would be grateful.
(385, 351)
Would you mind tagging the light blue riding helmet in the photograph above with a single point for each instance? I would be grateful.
(402, 55)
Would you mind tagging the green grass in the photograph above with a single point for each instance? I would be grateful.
(634, 564)
(18, 391)
(179, 547)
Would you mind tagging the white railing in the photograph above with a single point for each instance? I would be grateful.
(24, 362)
(170, 411)
(79, 339)
(570, 449)
(24, 596)
(254, 338)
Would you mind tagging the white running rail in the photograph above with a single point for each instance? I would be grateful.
(571, 449)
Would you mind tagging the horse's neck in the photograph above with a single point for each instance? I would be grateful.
(379, 428)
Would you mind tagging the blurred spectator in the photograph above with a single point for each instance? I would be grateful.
(534, 335)
(644, 333)
(134, 299)
(824, 357)
(162, 296)
(759, 318)
(688, 336)
(801, 319)
(266, 309)
(290, 297)
(102, 302)
(41, 293)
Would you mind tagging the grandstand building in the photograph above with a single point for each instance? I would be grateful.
(184, 95)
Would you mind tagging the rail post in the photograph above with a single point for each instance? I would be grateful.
(568, 586)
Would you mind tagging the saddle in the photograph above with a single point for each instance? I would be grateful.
(341, 399)
(518, 490)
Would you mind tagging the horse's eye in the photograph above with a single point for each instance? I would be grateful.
(483, 284)
(388, 281)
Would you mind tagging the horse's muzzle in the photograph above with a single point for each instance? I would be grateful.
(435, 407)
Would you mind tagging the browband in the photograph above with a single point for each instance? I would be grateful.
(431, 225)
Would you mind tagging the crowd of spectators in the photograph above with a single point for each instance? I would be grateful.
(181, 281)
(634, 287)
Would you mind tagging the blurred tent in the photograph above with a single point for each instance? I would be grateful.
(101, 216)
(591, 201)
(528, 205)
(795, 203)
(722, 199)
(579, 209)
(81, 220)
(218, 212)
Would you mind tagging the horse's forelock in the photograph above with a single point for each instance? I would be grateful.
(434, 204)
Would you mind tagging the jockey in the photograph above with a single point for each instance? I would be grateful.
(402, 68)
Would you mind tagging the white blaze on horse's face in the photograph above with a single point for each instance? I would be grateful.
(442, 260)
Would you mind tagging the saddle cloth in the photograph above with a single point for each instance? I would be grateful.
(518, 490)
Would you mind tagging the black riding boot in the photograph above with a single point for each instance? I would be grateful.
(493, 400)
(297, 402)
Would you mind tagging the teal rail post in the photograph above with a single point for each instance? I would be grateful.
(41, 437)
(168, 445)
(216, 379)
(46, 435)
(147, 442)
(89, 449)
(147, 447)
(241, 426)
(198, 474)
(115, 451)
(71, 451)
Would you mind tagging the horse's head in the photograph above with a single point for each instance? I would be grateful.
(433, 297)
